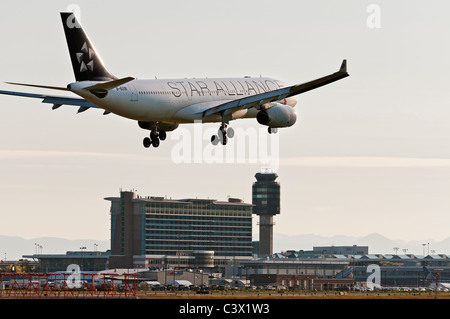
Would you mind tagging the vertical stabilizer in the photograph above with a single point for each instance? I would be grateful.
(87, 64)
(427, 273)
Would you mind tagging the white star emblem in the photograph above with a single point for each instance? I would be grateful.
(86, 52)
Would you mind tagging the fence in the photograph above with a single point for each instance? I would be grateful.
(63, 285)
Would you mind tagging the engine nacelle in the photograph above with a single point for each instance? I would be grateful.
(277, 116)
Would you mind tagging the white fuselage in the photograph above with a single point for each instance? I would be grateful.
(179, 100)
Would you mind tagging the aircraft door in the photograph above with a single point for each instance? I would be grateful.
(134, 94)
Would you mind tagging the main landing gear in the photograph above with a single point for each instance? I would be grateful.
(222, 135)
(155, 138)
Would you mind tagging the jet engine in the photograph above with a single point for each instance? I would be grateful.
(277, 116)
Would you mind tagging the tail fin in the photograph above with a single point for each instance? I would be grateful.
(428, 274)
(87, 64)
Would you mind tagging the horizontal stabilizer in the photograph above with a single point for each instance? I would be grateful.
(109, 85)
(57, 101)
(41, 86)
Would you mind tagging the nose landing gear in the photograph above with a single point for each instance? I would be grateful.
(272, 130)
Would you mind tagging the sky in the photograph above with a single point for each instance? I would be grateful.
(368, 154)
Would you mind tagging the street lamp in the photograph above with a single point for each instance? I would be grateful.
(37, 247)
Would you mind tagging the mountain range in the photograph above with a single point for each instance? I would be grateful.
(14, 248)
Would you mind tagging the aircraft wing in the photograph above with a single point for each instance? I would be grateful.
(280, 94)
(57, 101)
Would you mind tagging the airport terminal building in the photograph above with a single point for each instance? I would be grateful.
(181, 237)
(156, 231)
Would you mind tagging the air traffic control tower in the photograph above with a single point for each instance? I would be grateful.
(266, 201)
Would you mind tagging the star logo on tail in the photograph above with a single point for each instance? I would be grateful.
(85, 58)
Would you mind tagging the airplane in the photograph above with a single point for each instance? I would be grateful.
(161, 105)
(435, 281)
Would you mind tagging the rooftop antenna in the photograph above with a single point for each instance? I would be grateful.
(266, 170)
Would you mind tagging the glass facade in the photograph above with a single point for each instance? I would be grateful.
(115, 220)
(173, 226)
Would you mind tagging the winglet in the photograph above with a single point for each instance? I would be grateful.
(343, 68)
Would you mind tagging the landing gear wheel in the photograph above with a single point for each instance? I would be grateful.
(222, 131)
(153, 135)
(214, 139)
(155, 142)
(222, 135)
(156, 136)
(272, 130)
(147, 142)
(230, 132)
